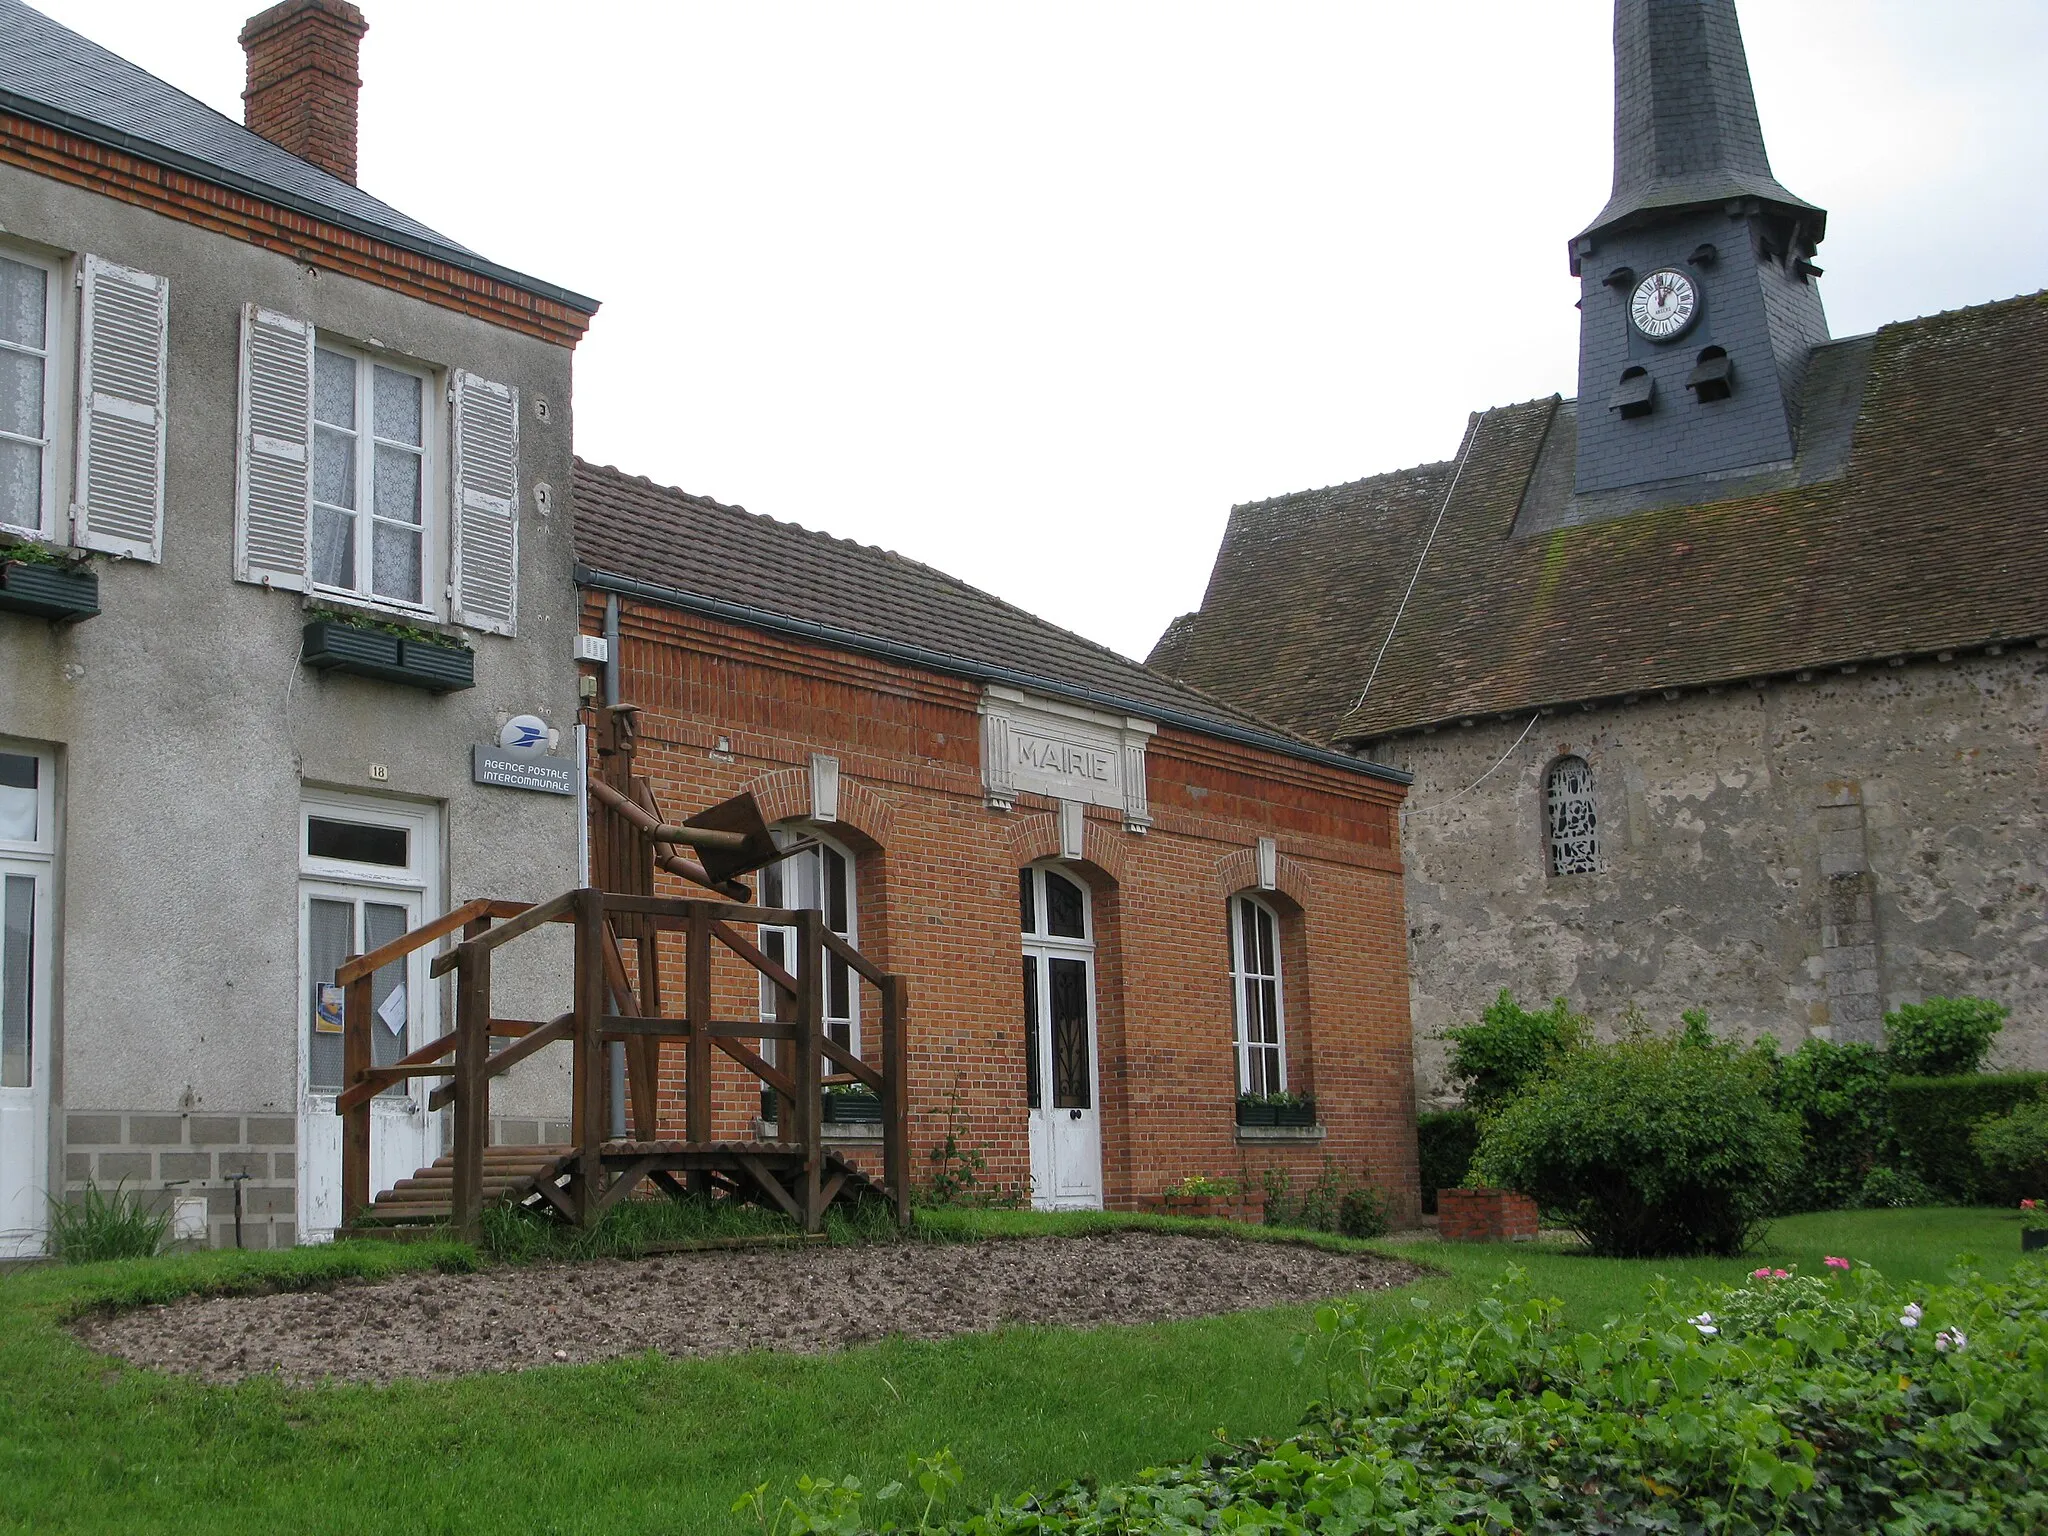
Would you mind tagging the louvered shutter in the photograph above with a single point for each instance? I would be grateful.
(122, 410)
(486, 498)
(274, 473)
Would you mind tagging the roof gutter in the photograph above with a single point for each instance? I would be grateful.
(975, 671)
(157, 154)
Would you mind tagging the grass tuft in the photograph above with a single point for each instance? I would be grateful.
(106, 1224)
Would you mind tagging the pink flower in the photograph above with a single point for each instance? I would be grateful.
(1781, 1274)
(1759, 1274)
(1834, 1263)
(2026, 1205)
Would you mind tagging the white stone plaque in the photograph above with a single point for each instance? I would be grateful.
(1047, 747)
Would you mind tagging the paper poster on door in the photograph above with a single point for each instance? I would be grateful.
(327, 1010)
(392, 1010)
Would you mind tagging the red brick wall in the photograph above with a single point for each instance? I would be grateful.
(937, 873)
(1485, 1216)
(303, 81)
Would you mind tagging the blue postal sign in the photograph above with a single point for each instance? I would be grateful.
(545, 775)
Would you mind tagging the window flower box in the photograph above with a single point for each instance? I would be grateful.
(49, 590)
(439, 666)
(858, 1108)
(1276, 1110)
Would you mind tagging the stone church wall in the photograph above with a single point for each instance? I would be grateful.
(1795, 857)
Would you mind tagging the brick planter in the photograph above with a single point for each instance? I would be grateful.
(1486, 1216)
(1245, 1207)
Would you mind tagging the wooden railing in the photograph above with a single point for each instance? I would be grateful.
(610, 1003)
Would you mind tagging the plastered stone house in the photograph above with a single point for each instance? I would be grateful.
(247, 410)
(1723, 683)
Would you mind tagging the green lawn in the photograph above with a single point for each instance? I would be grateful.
(656, 1445)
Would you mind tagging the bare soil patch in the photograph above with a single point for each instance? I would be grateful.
(804, 1300)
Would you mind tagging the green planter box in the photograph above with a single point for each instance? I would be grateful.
(852, 1109)
(333, 647)
(1301, 1114)
(62, 592)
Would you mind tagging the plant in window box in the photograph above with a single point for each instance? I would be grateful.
(852, 1104)
(40, 581)
(1275, 1109)
(396, 653)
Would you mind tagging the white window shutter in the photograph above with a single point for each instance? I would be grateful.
(485, 550)
(124, 327)
(274, 451)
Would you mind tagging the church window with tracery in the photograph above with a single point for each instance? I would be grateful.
(1574, 820)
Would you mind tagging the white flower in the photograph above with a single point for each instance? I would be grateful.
(1951, 1338)
(1910, 1318)
(1705, 1323)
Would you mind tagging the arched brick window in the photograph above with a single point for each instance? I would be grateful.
(1573, 818)
(1256, 993)
(820, 877)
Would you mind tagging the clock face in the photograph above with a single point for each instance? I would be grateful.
(1664, 304)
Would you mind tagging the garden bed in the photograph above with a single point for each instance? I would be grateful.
(805, 1300)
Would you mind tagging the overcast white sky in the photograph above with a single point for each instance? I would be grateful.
(1036, 291)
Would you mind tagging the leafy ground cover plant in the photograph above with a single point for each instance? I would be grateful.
(106, 1224)
(1509, 1047)
(1943, 1036)
(1647, 1147)
(1835, 1403)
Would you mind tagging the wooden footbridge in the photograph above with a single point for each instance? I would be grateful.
(625, 987)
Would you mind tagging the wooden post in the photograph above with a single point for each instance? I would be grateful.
(587, 1074)
(472, 1086)
(810, 1026)
(896, 1095)
(355, 1123)
(643, 1052)
(697, 1009)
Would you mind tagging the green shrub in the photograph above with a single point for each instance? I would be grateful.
(1932, 1119)
(1838, 1092)
(1316, 1209)
(106, 1225)
(1510, 1046)
(1445, 1140)
(1647, 1146)
(1889, 1189)
(2013, 1148)
(1942, 1037)
(1364, 1212)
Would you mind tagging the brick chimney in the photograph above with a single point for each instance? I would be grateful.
(303, 80)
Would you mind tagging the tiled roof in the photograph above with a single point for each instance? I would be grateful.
(51, 75)
(691, 546)
(1929, 534)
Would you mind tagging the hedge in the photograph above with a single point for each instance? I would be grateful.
(1932, 1118)
(1446, 1140)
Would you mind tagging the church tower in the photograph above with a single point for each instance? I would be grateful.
(1698, 305)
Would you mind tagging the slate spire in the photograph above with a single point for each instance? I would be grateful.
(1685, 126)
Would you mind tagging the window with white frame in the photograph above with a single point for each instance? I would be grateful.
(372, 533)
(1256, 990)
(1573, 818)
(819, 879)
(28, 412)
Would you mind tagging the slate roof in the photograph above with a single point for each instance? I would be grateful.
(691, 547)
(49, 74)
(1685, 126)
(1929, 533)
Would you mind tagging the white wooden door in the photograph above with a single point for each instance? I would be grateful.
(365, 880)
(27, 838)
(1061, 1079)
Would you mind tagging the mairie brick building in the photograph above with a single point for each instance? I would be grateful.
(1724, 684)
(1121, 904)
